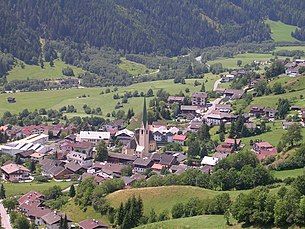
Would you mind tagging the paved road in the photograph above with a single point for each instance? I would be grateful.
(5, 218)
(217, 82)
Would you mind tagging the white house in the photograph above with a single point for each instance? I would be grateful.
(93, 136)
(212, 161)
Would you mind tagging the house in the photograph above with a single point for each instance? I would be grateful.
(162, 134)
(225, 148)
(180, 139)
(74, 168)
(227, 78)
(30, 196)
(257, 111)
(211, 161)
(270, 112)
(292, 71)
(178, 169)
(286, 125)
(175, 99)
(36, 213)
(194, 125)
(38, 156)
(52, 220)
(117, 124)
(98, 179)
(233, 142)
(141, 164)
(84, 160)
(264, 154)
(189, 109)
(215, 118)
(14, 172)
(93, 136)
(199, 99)
(220, 155)
(92, 224)
(11, 100)
(233, 94)
(121, 158)
(124, 136)
(60, 173)
(223, 108)
(166, 160)
(261, 146)
(106, 170)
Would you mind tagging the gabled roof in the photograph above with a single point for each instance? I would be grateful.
(179, 137)
(73, 166)
(199, 94)
(30, 196)
(12, 168)
(92, 224)
(94, 135)
(53, 217)
(142, 162)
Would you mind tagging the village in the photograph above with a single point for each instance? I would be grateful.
(139, 152)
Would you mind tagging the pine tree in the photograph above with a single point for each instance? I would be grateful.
(222, 127)
(120, 215)
(101, 151)
(65, 223)
(202, 87)
(72, 191)
(32, 166)
(18, 159)
(2, 192)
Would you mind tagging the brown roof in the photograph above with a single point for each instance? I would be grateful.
(198, 94)
(12, 168)
(73, 166)
(30, 196)
(53, 217)
(92, 224)
(39, 212)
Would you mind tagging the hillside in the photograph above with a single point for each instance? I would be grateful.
(281, 32)
(197, 222)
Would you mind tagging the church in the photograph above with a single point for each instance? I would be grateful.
(143, 142)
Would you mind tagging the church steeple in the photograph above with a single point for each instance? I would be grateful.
(144, 115)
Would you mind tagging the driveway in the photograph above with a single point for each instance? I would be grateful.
(5, 218)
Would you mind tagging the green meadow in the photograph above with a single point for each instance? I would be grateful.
(281, 32)
(36, 72)
(57, 98)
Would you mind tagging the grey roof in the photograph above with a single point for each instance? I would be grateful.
(199, 94)
(122, 156)
(128, 180)
(142, 162)
(73, 166)
(56, 170)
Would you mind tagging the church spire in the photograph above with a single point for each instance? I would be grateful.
(144, 117)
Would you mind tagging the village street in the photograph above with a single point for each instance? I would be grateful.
(5, 219)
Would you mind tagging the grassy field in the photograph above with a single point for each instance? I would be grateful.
(13, 189)
(58, 98)
(246, 58)
(134, 68)
(36, 72)
(281, 32)
(288, 173)
(196, 222)
(161, 198)
(76, 214)
(289, 48)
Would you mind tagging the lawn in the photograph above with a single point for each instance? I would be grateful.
(196, 222)
(289, 48)
(36, 72)
(288, 173)
(161, 198)
(76, 214)
(57, 98)
(134, 68)
(246, 58)
(13, 189)
(281, 32)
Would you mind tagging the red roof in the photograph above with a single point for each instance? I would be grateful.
(232, 141)
(179, 137)
(263, 145)
(224, 148)
(30, 196)
(91, 224)
(12, 168)
(263, 154)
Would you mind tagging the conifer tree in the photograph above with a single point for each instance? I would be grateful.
(72, 191)
(2, 192)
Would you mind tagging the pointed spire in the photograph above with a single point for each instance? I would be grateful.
(144, 117)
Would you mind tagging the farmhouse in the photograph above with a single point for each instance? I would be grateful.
(199, 98)
(92, 224)
(175, 99)
(14, 172)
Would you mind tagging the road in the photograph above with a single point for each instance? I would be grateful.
(5, 218)
(216, 83)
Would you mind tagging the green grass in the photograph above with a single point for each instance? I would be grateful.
(134, 68)
(76, 214)
(246, 58)
(13, 189)
(288, 173)
(289, 48)
(196, 222)
(161, 198)
(58, 98)
(36, 72)
(281, 32)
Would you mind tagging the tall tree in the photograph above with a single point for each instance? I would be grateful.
(101, 151)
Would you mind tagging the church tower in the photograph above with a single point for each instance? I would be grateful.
(144, 131)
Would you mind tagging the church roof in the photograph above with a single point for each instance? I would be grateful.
(144, 117)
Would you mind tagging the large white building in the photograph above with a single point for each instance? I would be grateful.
(34, 142)
(93, 136)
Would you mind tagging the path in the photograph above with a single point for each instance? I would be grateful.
(216, 83)
(5, 218)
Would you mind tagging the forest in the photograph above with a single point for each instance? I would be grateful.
(140, 26)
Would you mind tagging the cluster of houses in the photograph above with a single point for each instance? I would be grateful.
(292, 69)
(32, 205)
